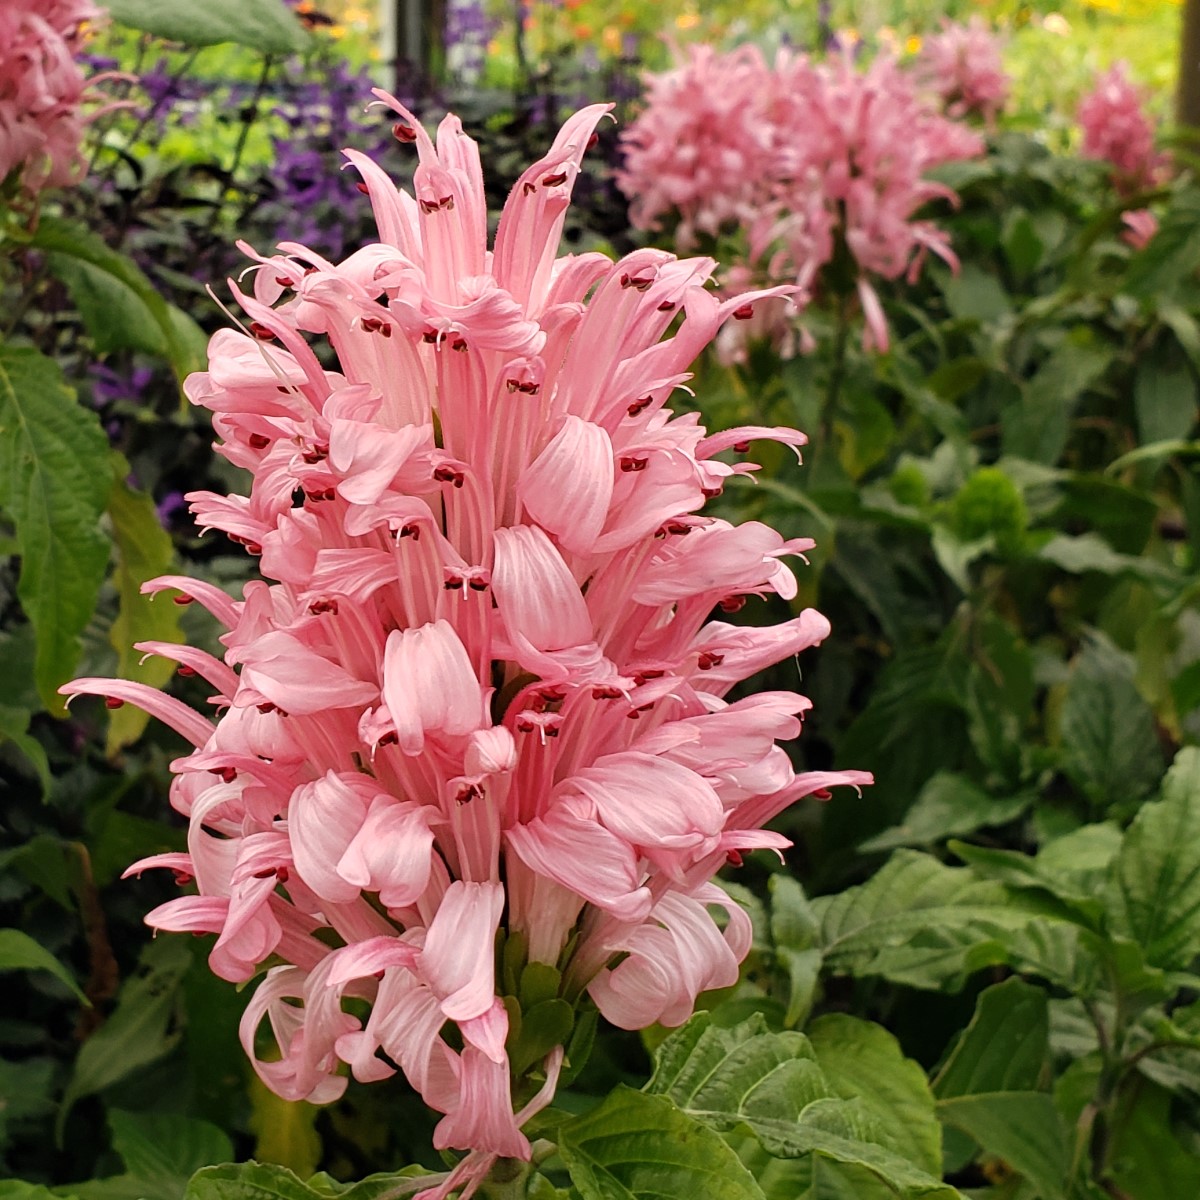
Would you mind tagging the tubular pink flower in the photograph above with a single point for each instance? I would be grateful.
(962, 66)
(478, 697)
(1117, 130)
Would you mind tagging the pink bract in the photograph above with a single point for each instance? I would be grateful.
(1118, 130)
(963, 67)
(483, 696)
(41, 90)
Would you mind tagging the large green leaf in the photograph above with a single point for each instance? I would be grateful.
(918, 922)
(264, 25)
(144, 550)
(1156, 897)
(794, 934)
(771, 1084)
(861, 1060)
(54, 480)
(142, 1028)
(1022, 1128)
(18, 951)
(1110, 744)
(119, 305)
(1164, 394)
(20, 700)
(636, 1145)
(1005, 1048)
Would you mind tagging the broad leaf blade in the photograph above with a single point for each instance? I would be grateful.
(18, 951)
(54, 480)
(636, 1145)
(263, 25)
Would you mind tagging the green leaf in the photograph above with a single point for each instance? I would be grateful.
(861, 1060)
(1164, 397)
(1148, 1160)
(918, 922)
(1156, 898)
(1079, 553)
(1006, 1046)
(141, 1029)
(54, 480)
(948, 805)
(20, 702)
(794, 930)
(974, 294)
(1111, 748)
(119, 305)
(263, 25)
(42, 861)
(1022, 1128)
(249, 1181)
(638, 1145)
(18, 951)
(144, 551)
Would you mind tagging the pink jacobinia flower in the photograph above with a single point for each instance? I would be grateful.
(811, 161)
(479, 694)
(42, 89)
(1118, 130)
(962, 66)
(1140, 227)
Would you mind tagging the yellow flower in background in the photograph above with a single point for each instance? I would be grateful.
(610, 38)
(912, 43)
(688, 20)
(1056, 23)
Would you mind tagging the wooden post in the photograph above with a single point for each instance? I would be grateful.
(1187, 97)
(412, 39)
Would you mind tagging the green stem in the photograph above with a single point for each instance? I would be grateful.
(837, 372)
(507, 1180)
(249, 116)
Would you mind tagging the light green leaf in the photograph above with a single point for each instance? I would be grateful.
(862, 1061)
(636, 1145)
(263, 25)
(54, 480)
(119, 305)
(253, 1181)
(1079, 553)
(1110, 744)
(1022, 1128)
(18, 951)
(1164, 397)
(794, 931)
(1006, 1046)
(1156, 898)
(1148, 1161)
(142, 1028)
(948, 805)
(144, 551)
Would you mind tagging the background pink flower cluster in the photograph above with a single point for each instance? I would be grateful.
(481, 700)
(813, 161)
(41, 89)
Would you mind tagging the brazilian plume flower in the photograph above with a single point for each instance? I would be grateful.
(42, 89)
(471, 725)
(1118, 130)
(962, 66)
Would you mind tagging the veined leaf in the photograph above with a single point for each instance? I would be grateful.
(18, 951)
(54, 480)
(263, 25)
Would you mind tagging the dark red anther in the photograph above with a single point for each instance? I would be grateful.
(253, 548)
(711, 492)
(430, 337)
(314, 496)
(732, 604)
(285, 281)
(184, 670)
(449, 475)
(640, 405)
(459, 344)
(362, 187)
(427, 206)
(317, 607)
(410, 530)
(479, 584)
(182, 878)
(467, 792)
(183, 599)
(741, 447)
(680, 527)
(822, 794)
(555, 180)
(633, 462)
(113, 702)
(329, 494)
(592, 141)
(635, 714)
(261, 331)
(282, 874)
(283, 391)
(640, 677)
(227, 774)
(454, 582)
(402, 131)
(528, 187)
(318, 453)
(734, 858)
(266, 708)
(391, 738)
(606, 691)
(259, 441)
(385, 330)
(371, 324)
(667, 306)
(709, 659)
(310, 270)
(639, 283)
(446, 202)
(744, 313)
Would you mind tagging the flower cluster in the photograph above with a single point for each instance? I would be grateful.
(1118, 130)
(817, 163)
(962, 66)
(41, 90)
(478, 717)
